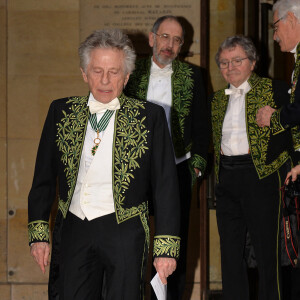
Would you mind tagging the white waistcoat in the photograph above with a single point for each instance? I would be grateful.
(93, 195)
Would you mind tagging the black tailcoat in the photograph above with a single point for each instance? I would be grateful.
(143, 167)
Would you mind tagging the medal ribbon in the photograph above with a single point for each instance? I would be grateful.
(100, 126)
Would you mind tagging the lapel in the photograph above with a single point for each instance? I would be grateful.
(294, 90)
(182, 96)
(261, 94)
(130, 145)
(71, 130)
(296, 74)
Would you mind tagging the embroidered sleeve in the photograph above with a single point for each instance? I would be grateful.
(38, 231)
(275, 124)
(198, 162)
(166, 246)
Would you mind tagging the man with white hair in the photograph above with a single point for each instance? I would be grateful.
(286, 25)
(105, 155)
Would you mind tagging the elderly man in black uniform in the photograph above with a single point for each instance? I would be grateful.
(251, 164)
(109, 154)
(178, 87)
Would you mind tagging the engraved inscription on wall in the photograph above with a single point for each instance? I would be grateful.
(137, 17)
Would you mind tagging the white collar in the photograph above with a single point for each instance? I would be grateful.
(294, 51)
(156, 69)
(244, 86)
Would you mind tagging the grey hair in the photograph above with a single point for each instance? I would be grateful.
(238, 40)
(284, 6)
(107, 39)
(158, 22)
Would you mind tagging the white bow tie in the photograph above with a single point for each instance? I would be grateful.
(234, 91)
(99, 107)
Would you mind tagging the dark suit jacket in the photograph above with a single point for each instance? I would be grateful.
(190, 126)
(143, 167)
(288, 116)
(269, 151)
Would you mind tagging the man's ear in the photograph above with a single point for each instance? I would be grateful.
(292, 19)
(126, 79)
(84, 75)
(151, 39)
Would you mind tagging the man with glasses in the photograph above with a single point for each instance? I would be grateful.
(178, 87)
(250, 166)
(286, 25)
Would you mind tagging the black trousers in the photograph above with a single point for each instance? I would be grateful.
(245, 202)
(102, 251)
(176, 282)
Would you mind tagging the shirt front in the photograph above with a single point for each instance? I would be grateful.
(234, 131)
(160, 92)
(93, 195)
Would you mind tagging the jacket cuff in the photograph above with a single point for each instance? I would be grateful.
(275, 123)
(38, 231)
(198, 162)
(166, 246)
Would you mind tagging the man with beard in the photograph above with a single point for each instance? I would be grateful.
(178, 87)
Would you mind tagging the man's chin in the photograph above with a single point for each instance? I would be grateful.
(165, 61)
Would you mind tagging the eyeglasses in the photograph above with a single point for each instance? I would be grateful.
(234, 62)
(166, 38)
(274, 27)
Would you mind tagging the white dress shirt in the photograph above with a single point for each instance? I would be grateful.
(93, 195)
(160, 92)
(234, 133)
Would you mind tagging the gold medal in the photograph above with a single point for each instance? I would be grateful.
(97, 142)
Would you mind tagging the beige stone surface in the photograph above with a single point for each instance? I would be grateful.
(3, 211)
(3, 54)
(192, 291)
(43, 42)
(19, 259)
(29, 292)
(214, 254)
(55, 87)
(5, 291)
(43, 5)
(220, 12)
(21, 162)
(193, 255)
(30, 97)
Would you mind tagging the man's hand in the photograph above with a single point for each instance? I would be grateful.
(164, 266)
(263, 116)
(197, 172)
(294, 172)
(40, 252)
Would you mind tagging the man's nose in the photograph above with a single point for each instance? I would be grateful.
(105, 78)
(170, 42)
(230, 66)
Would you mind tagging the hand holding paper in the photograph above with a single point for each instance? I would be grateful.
(164, 266)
